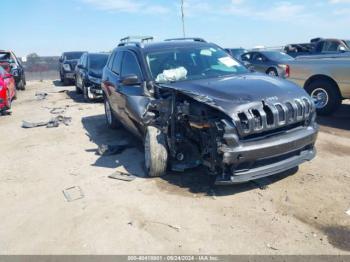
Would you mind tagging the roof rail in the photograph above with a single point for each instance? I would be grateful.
(141, 39)
(195, 39)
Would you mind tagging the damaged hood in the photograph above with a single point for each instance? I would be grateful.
(237, 93)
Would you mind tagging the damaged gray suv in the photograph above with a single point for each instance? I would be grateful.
(194, 105)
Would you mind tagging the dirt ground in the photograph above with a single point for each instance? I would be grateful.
(299, 212)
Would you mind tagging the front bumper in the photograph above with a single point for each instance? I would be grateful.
(261, 158)
(69, 75)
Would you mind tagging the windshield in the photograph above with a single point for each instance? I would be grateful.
(5, 56)
(97, 62)
(278, 56)
(347, 42)
(192, 63)
(73, 55)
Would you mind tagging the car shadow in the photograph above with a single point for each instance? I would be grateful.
(132, 160)
(57, 83)
(339, 120)
(198, 181)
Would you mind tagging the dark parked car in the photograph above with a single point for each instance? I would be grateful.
(16, 68)
(88, 74)
(318, 46)
(273, 63)
(192, 104)
(67, 64)
(236, 52)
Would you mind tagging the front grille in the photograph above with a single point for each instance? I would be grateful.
(268, 117)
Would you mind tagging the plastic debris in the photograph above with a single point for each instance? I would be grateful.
(73, 193)
(40, 95)
(108, 150)
(122, 176)
(348, 212)
(53, 122)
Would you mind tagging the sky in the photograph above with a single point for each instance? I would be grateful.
(49, 27)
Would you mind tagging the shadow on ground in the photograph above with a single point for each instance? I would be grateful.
(132, 160)
(339, 120)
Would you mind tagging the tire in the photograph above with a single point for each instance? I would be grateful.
(156, 153)
(111, 120)
(9, 100)
(272, 72)
(77, 89)
(66, 82)
(326, 96)
(86, 95)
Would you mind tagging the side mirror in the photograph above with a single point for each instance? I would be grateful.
(130, 80)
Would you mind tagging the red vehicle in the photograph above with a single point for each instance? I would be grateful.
(7, 89)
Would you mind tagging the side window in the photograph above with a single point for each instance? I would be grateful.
(246, 57)
(130, 65)
(110, 60)
(117, 60)
(258, 57)
(80, 62)
(86, 60)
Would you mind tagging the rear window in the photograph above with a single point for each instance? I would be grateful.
(73, 55)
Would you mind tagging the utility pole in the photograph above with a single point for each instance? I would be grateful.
(183, 18)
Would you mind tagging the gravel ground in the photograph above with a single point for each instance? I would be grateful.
(299, 212)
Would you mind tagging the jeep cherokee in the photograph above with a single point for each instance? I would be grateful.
(192, 104)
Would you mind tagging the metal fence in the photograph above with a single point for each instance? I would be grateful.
(41, 68)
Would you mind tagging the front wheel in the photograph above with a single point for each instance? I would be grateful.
(87, 97)
(156, 153)
(8, 100)
(111, 120)
(325, 95)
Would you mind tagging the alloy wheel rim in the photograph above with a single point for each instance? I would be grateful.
(272, 73)
(320, 98)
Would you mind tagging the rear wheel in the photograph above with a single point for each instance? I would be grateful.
(111, 120)
(325, 95)
(156, 154)
(272, 72)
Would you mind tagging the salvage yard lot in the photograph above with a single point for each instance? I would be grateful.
(299, 212)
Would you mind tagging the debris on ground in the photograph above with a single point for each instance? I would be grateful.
(40, 95)
(271, 247)
(53, 122)
(177, 228)
(348, 212)
(57, 110)
(109, 150)
(73, 193)
(122, 176)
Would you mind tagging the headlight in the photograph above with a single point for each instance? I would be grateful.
(67, 67)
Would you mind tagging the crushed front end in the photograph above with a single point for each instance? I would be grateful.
(257, 141)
